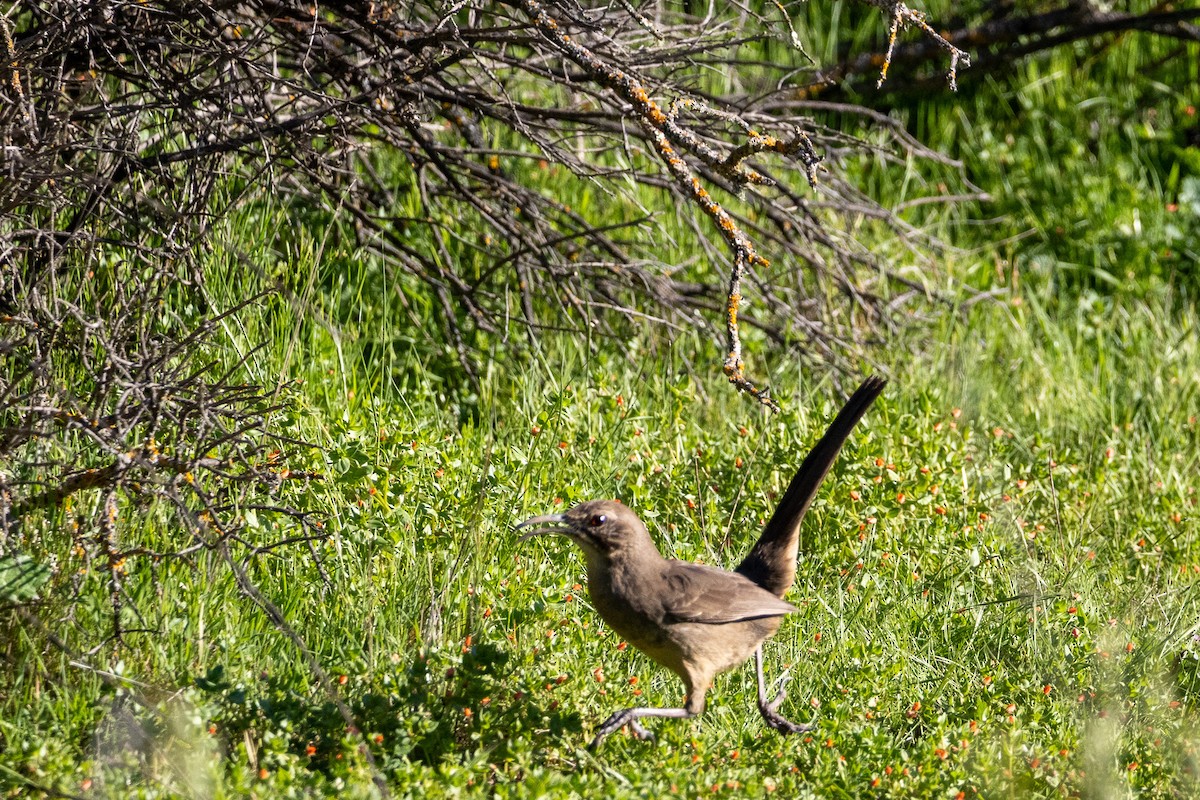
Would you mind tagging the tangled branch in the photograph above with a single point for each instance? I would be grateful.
(673, 142)
(111, 410)
(349, 108)
(1004, 36)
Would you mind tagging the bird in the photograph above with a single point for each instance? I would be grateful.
(693, 619)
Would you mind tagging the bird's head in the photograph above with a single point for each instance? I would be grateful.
(603, 528)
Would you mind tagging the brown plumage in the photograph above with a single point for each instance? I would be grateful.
(698, 621)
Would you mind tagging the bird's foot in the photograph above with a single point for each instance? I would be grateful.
(640, 731)
(783, 725)
(617, 721)
(770, 713)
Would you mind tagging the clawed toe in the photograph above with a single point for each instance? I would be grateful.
(770, 713)
(611, 724)
(640, 731)
(618, 721)
(785, 726)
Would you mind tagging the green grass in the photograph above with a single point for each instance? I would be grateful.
(1019, 628)
(996, 587)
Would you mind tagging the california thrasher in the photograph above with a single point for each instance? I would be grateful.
(698, 621)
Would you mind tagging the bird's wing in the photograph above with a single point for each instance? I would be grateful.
(696, 593)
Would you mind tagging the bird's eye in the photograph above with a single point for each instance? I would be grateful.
(597, 520)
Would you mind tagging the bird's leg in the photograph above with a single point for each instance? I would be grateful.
(630, 716)
(770, 708)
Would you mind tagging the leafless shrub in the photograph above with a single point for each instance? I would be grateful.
(470, 96)
(116, 402)
(112, 411)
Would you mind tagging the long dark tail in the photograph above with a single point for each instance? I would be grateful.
(771, 563)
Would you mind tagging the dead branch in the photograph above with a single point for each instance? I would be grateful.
(1004, 39)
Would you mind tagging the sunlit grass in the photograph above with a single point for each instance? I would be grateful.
(995, 584)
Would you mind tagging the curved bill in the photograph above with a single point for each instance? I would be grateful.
(548, 523)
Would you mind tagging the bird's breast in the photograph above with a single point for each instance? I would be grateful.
(633, 608)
